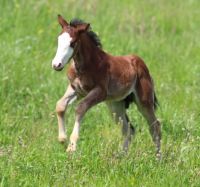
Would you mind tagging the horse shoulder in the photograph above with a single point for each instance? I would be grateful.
(71, 72)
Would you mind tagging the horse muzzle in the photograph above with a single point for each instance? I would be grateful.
(57, 67)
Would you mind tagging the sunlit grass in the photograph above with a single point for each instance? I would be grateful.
(164, 33)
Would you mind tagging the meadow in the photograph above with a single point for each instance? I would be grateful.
(166, 34)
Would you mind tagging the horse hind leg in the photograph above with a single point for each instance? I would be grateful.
(146, 105)
(154, 128)
(127, 101)
(129, 134)
(118, 111)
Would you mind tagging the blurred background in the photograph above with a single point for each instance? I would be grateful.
(166, 34)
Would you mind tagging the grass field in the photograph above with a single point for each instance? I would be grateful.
(166, 34)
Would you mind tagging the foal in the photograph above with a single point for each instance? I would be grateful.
(97, 76)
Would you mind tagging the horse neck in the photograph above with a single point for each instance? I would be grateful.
(88, 54)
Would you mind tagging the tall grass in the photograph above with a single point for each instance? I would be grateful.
(165, 34)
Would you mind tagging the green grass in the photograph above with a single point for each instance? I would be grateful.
(164, 33)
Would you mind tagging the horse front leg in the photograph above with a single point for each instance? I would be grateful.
(69, 97)
(94, 97)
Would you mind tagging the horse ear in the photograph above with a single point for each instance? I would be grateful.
(83, 27)
(62, 21)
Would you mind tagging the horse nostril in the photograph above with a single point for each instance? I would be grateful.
(59, 65)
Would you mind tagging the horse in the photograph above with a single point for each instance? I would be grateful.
(96, 76)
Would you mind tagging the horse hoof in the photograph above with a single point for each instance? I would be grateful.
(159, 156)
(71, 148)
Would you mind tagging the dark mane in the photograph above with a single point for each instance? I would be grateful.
(91, 34)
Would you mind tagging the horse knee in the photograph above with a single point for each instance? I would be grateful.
(60, 107)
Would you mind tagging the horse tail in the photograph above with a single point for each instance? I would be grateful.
(156, 103)
(155, 99)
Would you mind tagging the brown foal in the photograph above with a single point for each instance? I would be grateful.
(96, 76)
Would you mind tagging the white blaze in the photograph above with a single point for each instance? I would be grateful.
(64, 51)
